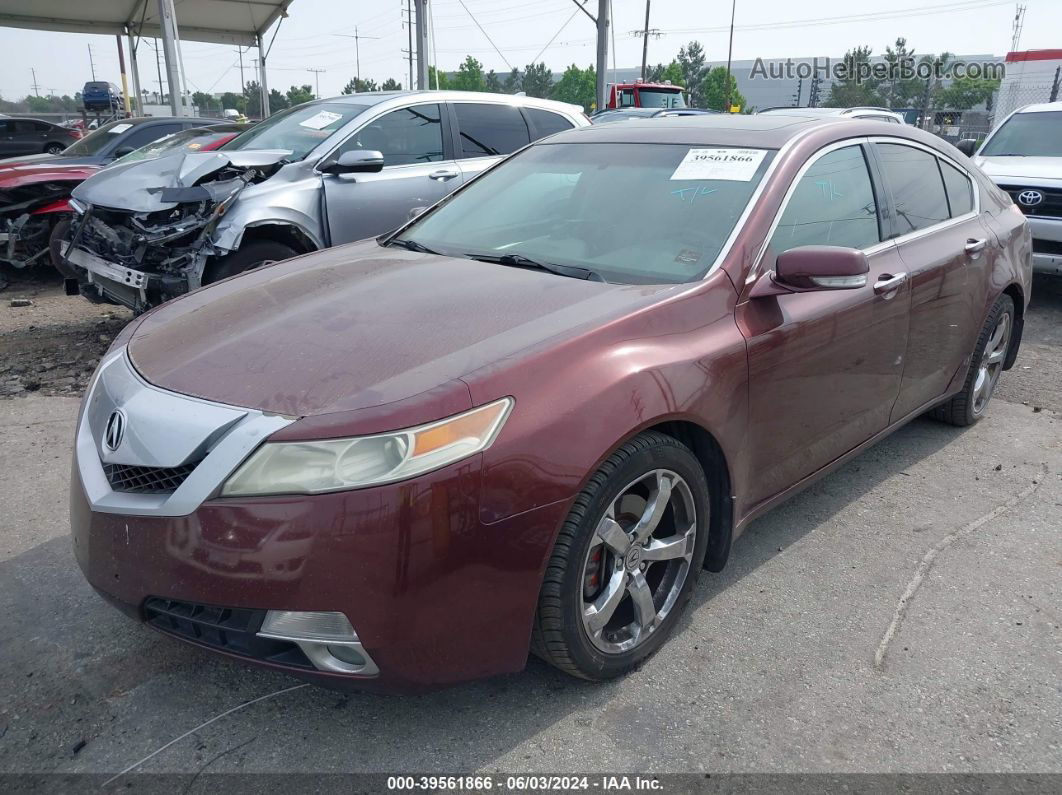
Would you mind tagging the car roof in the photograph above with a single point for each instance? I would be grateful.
(769, 131)
(446, 95)
(1042, 107)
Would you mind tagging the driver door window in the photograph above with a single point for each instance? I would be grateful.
(832, 205)
(406, 136)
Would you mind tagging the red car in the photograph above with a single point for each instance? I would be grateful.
(33, 195)
(529, 418)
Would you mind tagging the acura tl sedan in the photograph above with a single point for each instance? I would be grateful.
(529, 418)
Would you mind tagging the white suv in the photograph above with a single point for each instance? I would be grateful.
(1023, 156)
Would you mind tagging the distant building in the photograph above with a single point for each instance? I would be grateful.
(1032, 76)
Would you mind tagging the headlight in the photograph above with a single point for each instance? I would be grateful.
(336, 464)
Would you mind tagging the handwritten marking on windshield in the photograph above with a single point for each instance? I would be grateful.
(692, 193)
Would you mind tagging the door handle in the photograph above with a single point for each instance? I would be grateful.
(975, 246)
(444, 174)
(888, 283)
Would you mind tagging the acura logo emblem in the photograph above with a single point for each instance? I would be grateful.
(115, 430)
(1030, 198)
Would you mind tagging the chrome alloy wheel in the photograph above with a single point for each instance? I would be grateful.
(991, 363)
(638, 561)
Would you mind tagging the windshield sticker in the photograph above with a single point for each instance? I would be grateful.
(321, 119)
(119, 128)
(738, 165)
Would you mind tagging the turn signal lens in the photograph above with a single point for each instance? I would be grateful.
(337, 464)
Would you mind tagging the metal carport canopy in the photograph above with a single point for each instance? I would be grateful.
(232, 22)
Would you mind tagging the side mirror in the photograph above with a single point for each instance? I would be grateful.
(356, 161)
(815, 268)
(967, 146)
(122, 151)
(415, 211)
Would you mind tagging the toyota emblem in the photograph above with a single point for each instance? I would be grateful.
(115, 430)
(1030, 198)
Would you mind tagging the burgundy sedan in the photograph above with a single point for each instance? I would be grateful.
(529, 418)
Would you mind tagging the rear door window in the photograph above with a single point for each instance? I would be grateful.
(833, 204)
(960, 190)
(917, 187)
(148, 133)
(544, 122)
(490, 130)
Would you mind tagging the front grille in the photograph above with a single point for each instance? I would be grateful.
(1050, 207)
(1047, 247)
(146, 480)
(230, 629)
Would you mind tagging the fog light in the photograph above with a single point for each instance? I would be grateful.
(326, 638)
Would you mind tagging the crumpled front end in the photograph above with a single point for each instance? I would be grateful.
(143, 238)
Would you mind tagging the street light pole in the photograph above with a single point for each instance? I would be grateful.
(729, 55)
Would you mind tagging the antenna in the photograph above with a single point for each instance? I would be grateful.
(1019, 22)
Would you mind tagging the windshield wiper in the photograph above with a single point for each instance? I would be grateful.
(520, 261)
(412, 245)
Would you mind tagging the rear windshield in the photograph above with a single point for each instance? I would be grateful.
(298, 130)
(97, 139)
(632, 213)
(1028, 135)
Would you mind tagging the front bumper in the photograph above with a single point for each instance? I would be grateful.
(1047, 244)
(435, 595)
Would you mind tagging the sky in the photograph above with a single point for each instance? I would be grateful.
(317, 35)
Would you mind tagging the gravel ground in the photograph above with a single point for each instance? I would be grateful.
(49, 341)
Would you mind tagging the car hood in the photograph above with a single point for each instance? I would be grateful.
(18, 174)
(145, 186)
(360, 326)
(1021, 167)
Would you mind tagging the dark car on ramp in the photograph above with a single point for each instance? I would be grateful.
(529, 418)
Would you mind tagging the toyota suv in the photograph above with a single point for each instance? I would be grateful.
(1023, 156)
(320, 174)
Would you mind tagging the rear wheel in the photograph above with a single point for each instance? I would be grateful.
(252, 255)
(626, 560)
(969, 405)
(54, 148)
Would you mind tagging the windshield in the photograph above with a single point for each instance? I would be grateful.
(96, 140)
(632, 213)
(1028, 134)
(660, 98)
(298, 130)
(194, 140)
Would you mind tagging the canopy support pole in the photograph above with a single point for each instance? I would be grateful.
(422, 44)
(168, 22)
(135, 70)
(262, 86)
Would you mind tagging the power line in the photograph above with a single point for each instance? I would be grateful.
(555, 35)
(317, 77)
(492, 44)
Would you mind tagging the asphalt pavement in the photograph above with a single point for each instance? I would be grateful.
(902, 615)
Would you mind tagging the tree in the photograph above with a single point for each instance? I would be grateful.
(538, 80)
(296, 96)
(234, 101)
(713, 90)
(692, 65)
(901, 92)
(966, 92)
(672, 73)
(492, 82)
(278, 101)
(576, 86)
(204, 101)
(357, 85)
(514, 82)
(469, 76)
(444, 79)
(390, 84)
(252, 94)
(855, 88)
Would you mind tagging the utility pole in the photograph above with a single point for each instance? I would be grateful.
(92, 64)
(603, 23)
(1019, 23)
(243, 86)
(357, 49)
(729, 56)
(36, 90)
(422, 22)
(645, 33)
(317, 76)
(409, 29)
(158, 66)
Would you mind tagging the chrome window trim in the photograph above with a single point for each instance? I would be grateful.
(754, 199)
(755, 271)
(236, 441)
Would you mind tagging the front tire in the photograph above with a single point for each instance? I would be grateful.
(625, 561)
(969, 405)
(53, 149)
(253, 255)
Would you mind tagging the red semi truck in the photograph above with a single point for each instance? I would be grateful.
(645, 95)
